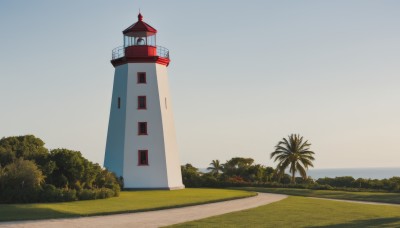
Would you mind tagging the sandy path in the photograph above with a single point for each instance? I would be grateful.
(154, 218)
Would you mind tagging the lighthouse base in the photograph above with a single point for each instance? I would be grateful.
(161, 188)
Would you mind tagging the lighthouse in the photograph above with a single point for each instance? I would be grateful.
(141, 142)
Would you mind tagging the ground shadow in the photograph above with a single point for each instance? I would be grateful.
(14, 212)
(377, 222)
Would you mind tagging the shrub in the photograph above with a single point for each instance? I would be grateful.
(20, 182)
(320, 187)
(33, 174)
(116, 189)
(103, 193)
(52, 194)
(68, 195)
(86, 194)
(100, 193)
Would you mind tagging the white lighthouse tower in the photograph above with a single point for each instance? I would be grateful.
(141, 142)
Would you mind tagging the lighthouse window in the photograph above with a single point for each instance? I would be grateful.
(143, 157)
(142, 128)
(142, 104)
(119, 102)
(141, 78)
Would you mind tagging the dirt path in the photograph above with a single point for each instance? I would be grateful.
(154, 218)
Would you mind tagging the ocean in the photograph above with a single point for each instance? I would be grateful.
(373, 173)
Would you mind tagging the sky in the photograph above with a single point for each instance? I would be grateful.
(243, 75)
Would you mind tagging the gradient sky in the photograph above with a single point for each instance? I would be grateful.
(243, 75)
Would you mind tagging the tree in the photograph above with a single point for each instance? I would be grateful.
(215, 167)
(269, 173)
(237, 166)
(256, 173)
(22, 174)
(20, 181)
(295, 154)
(27, 147)
(69, 170)
(190, 176)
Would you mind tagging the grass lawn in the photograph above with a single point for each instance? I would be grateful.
(306, 212)
(361, 196)
(128, 201)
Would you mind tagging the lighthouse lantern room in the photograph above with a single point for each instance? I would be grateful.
(141, 143)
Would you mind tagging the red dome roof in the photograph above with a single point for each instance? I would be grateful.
(140, 28)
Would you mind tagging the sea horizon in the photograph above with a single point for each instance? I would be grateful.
(367, 173)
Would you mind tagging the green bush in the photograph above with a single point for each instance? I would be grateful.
(320, 187)
(86, 194)
(20, 182)
(103, 193)
(50, 193)
(91, 194)
(68, 195)
(116, 189)
(33, 174)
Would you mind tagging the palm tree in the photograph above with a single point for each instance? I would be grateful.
(215, 167)
(295, 153)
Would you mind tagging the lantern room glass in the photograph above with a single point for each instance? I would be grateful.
(139, 40)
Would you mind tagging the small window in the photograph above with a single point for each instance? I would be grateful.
(143, 157)
(165, 103)
(142, 128)
(142, 103)
(119, 102)
(141, 78)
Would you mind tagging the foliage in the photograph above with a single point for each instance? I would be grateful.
(69, 168)
(295, 154)
(33, 174)
(22, 174)
(237, 167)
(215, 167)
(345, 181)
(242, 172)
(190, 176)
(391, 184)
(28, 147)
(20, 180)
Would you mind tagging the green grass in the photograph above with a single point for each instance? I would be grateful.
(360, 196)
(130, 201)
(306, 212)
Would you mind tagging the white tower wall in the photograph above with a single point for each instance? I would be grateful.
(115, 146)
(123, 141)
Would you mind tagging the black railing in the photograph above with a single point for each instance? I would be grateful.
(119, 52)
(162, 52)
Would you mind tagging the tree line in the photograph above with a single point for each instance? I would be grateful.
(292, 154)
(29, 172)
(243, 172)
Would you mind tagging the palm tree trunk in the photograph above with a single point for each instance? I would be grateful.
(293, 180)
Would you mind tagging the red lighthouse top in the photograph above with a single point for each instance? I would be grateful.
(139, 27)
(140, 46)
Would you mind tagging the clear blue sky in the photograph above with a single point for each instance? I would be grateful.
(243, 75)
